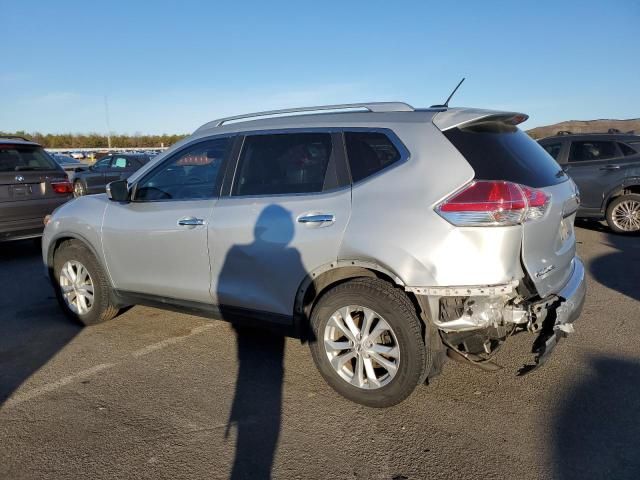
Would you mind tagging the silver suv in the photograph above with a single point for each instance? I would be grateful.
(389, 237)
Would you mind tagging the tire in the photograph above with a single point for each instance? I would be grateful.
(623, 214)
(78, 189)
(382, 304)
(73, 254)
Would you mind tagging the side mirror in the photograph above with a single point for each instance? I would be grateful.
(118, 191)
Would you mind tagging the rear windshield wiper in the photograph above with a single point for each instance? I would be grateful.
(561, 173)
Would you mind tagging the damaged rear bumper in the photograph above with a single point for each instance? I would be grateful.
(569, 308)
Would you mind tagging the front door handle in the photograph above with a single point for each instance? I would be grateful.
(610, 167)
(317, 218)
(190, 222)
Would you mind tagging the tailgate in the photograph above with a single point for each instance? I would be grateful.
(497, 150)
(549, 244)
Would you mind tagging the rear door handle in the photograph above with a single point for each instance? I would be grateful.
(317, 218)
(611, 167)
(190, 222)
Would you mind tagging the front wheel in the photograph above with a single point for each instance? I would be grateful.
(81, 284)
(368, 342)
(623, 214)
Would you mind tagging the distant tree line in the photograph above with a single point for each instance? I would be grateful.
(96, 140)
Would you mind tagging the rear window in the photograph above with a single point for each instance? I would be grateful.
(497, 151)
(16, 158)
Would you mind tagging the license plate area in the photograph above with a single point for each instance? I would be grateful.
(18, 192)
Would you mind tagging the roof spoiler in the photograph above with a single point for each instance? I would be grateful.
(458, 117)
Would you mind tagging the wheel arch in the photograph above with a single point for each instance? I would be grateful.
(62, 237)
(325, 276)
(321, 279)
(629, 185)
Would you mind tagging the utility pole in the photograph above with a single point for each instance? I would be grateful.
(106, 113)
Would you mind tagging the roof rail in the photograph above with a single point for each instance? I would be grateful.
(372, 107)
(15, 137)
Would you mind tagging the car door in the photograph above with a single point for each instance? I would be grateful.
(285, 216)
(95, 176)
(594, 165)
(156, 244)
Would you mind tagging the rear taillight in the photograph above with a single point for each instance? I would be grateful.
(493, 203)
(62, 186)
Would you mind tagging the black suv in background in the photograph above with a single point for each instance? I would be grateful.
(606, 168)
(115, 166)
(32, 185)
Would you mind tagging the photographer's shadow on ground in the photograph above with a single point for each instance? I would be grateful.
(257, 403)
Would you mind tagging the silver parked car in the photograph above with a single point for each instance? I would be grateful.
(398, 236)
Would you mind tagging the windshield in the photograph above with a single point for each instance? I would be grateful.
(15, 158)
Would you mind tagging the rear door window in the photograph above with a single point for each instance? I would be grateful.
(368, 153)
(284, 163)
(592, 150)
(497, 151)
(16, 158)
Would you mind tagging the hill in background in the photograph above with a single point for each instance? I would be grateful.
(586, 126)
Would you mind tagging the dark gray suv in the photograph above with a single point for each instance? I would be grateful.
(32, 185)
(606, 168)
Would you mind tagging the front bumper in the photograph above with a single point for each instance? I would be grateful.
(571, 301)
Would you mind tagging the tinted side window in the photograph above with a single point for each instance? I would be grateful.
(497, 151)
(369, 152)
(283, 163)
(626, 149)
(553, 149)
(585, 151)
(190, 174)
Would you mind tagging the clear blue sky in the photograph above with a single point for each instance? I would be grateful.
(171, 66)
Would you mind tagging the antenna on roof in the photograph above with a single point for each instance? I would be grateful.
(446, 104)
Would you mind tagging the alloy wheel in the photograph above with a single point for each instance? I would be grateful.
(361, 347)
(77, 287)
(626, 216)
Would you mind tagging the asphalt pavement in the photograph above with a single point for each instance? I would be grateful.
(162, 395)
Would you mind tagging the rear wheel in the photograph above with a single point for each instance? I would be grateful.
(78, 189)
(623, 214)
(368, 342)
(81, 285)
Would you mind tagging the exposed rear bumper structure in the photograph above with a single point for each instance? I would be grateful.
(557, 326)
(470, 319)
